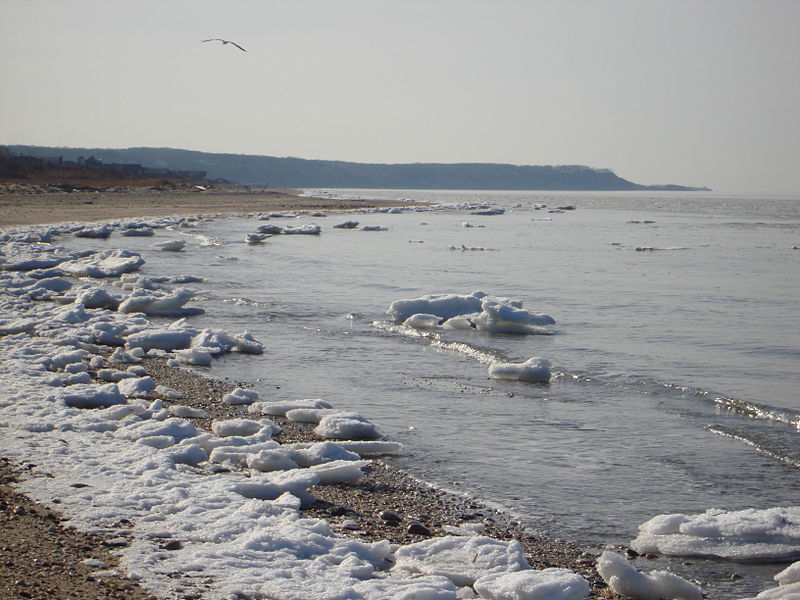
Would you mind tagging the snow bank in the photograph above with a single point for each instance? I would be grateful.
(758, 535)
(533, 370)
(625, 580)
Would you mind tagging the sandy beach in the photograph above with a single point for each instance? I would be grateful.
(42, 557)
(41, 204)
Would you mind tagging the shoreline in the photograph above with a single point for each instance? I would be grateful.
(352, 510)
(26, 205)
(85, 566)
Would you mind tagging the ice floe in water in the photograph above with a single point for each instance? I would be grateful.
(623, 578)
(171, 245)
(478, 311)
(533, 370)
(748, 535)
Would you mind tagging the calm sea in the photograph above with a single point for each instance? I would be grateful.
(675, 350)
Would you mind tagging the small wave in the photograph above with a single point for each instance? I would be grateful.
(743, 407)
(246, 302)
(768, 447)
(482, 355)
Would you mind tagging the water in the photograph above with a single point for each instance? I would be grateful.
(677, 364)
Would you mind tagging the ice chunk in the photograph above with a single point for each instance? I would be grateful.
(243, 427)
(548, 584)
(138, 231)
(170, 245)
(463, 560)
(62, 359)
(110, 263)
(279, 409)
(347, 426)
(442, 305)
(163, 339)
(270, 229)
(339, 471)
(308, 415)
(114, 375)
(322, 452)
(240, 396)
(790, 574)
(533, 370)
(782, 592)
(346, 225)
(274, 459)
(93, 396)
(160, 304)
(255, 238)
(102, 232)
(625, 580)
(136, 387)
(310, 229)
(750, 534)
(238, 455)
(186, 412)
(422, 321)
(199, 357)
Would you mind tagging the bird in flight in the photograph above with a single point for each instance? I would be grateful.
(225, 42)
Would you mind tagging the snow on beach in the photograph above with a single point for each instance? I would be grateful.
(79, 405)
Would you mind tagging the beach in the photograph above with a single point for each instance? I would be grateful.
(43, 555)
(89, 319)
(22, 204)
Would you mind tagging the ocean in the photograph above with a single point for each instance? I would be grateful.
(675, 349)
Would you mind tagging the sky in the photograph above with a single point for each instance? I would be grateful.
(693, 92)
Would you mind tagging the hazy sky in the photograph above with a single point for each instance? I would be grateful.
(696, 92)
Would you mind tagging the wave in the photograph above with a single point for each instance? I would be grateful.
(484, 356)
(767, 445)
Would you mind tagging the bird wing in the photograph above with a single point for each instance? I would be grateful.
(213, 40)
(238, 46)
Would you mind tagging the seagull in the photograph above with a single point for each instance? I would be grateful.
(225, 42)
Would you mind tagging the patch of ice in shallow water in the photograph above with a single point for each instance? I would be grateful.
(533, 370)
(753, 535)
(477, 311)
(625, 580)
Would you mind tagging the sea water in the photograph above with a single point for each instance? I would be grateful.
(675, 352)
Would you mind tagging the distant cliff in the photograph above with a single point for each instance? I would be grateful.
(302, 173)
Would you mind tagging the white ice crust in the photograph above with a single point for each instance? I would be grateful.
(623, 578)
(750, 534)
